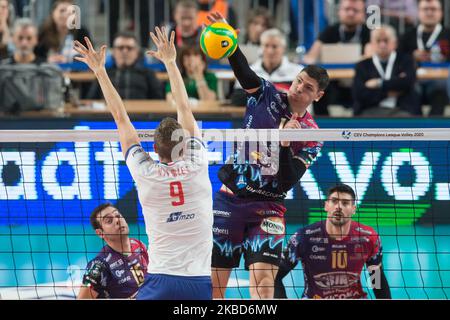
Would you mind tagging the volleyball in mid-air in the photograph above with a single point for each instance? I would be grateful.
(218, 40)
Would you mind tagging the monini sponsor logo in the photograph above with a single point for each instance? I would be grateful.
(273, 226)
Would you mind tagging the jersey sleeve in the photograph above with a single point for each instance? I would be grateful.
(138, 161)
(376, 254)
(195, 151)
(270, 95)
(96, 276)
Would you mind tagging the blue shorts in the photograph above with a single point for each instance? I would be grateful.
(169, 287)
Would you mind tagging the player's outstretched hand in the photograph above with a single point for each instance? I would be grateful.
(166, 51)
(214, 17)
(95, 60)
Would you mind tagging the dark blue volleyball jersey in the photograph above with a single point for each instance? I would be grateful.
(332, 268)
(114, 275)
(251, 171)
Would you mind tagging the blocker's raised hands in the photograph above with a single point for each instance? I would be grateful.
(95, 60)
(166, 51)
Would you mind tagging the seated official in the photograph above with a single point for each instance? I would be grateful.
(351, 29)
(274, 66)
(429, 42)
(384, 84)
(128, 74)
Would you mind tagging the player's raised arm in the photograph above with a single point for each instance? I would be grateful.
(248, 79)
(96, 62)
(167, 54)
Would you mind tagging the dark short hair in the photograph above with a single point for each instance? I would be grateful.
(319, 74)
(163, 137)
(342, 188)
(94, 215)
(126, 35)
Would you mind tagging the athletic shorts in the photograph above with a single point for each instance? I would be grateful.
(169, 287)
(255, 228)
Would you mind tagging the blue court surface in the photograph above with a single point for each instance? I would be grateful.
(47, 261)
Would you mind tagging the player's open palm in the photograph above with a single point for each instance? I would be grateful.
(95, 60)
(166, 51)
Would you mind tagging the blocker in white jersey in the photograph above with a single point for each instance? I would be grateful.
(175, 194)
(176, 200)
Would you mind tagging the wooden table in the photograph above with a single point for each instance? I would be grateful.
(149, 107)
(227, 75)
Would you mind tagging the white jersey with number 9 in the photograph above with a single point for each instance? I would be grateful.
(176, 200)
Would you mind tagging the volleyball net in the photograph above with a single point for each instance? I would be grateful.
(50, 181)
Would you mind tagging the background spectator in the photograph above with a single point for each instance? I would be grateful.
(55, 39)
(200, 84)
(273, 66)
(5, 22)
(187, 31)
(128, 74)
(25, 39)
(400, 14)
(384, 84)
(350, 29)
(430, 42)
(258, 21)
(222, 6)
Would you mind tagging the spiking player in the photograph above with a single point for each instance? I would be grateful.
(248, 210)
(333, 253)
(175, 194)
(119, 269)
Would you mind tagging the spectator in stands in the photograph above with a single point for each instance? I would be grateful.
(187, 31)
(128, 73)
(200, 84)
(430, 42)
(5, 22)
(350, 29)
(55, 38)
(274, 66)
(384, 84)
(258, 21)
(25, 41)
(207, 6)
(401, 14)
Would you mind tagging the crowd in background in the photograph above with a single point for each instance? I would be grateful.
(385, 82)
